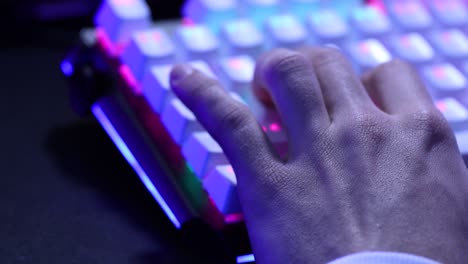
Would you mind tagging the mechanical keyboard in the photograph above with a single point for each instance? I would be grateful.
(184, 168)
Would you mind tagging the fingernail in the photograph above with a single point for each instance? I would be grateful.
(179, 72)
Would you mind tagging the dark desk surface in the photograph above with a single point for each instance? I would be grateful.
(66, 194)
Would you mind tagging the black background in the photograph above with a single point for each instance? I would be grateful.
(66, 194)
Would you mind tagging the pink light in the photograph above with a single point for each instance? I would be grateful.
(127, 75)
(233, 218)
(447, 36)
(114, 50)
(230, 169)
(406, 41)
(275, 127)
(188, 22)
(442, 106)
(235, 63)
(439, 72)
(123, 2)
(364, 47)
(264, 128)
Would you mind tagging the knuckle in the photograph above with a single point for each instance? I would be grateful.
(430, 122)
(235, 118)
(284, 62)
(327, 56)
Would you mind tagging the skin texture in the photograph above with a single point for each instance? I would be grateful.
(372, 164)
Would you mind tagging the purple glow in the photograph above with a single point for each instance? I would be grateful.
(128, 155)
(246, 259)
(67, 68)
(129, 78)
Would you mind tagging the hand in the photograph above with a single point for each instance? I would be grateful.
(372, 164)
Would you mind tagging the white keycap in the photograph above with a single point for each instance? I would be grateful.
(260, 10)
(156, 87)
(243, 37)
(286, 31)
(221, 185)
(370, 22)
(197, 42)
(121, 18)
(238, 72)
(455, 113)
(179, 121)
(203, 153)
(146, 49)
(328, 26)
(413, 48)
(411, 15)
(369, 53)
(444, 79)
(212, 13)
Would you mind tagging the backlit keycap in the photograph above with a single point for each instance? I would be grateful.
(444, 79)
(260, 10)
(451, 13)
(120, 18)
(411, 15)
(221, 185)
(369, 53)
(148, 48)
(243, 37)
(301, 8)
(197, 42)
(413, 48)
(180, 122)
(455, 113)
(370, 21)
(203, 154)
(451, 43)
(238, 72)
(286, 31)
(212, 13)
(328, 26)
(156, 87)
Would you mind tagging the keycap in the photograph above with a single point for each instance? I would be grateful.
(238, 72)
(260, 10)
(451, 43)
(328, 26)
(156, 87)
(413, 48)
(455, 113)
(369, 53)
(148, 48)
(286, 31)
(197, 42)
(203, 154)
(444, 79)
(212, 13)
(221, 185)
(450, 13)
(370, 21)
(411, 15)
(301, 8)
(120, 18)
(179, 121)
(243, 37)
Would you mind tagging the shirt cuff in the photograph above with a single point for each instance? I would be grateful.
(383, 258)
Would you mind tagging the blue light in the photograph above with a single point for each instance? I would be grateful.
(67, 68)
(246, 259)
(126, 152)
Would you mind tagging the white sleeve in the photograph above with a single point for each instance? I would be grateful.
(383, 258)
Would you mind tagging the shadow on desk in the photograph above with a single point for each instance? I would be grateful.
(84, 154)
